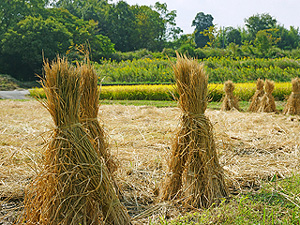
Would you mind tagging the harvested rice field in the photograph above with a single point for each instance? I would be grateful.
(254, 148)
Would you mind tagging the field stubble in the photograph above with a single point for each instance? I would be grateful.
(252, 146)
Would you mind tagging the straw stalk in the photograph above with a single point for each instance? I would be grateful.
(267, 103)
(293, 104)
(194, 170)
(230, 102)
(256, 98)
(74, 185)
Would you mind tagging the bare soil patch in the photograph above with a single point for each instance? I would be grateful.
(252, 147)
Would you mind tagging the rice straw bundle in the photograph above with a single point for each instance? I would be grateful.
(267, 103)
(89, 107)
(74, 182)
(230, 102)
(195, 171)
(256, 98)
(292, 106)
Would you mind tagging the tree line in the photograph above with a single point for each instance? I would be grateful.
(33, 30)
(261, 30)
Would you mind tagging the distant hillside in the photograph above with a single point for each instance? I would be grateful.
(7, 83)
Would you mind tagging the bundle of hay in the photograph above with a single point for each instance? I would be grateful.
(74, 186)
(230, 102)
(256, 98)
(195, 172)
(89, 108)
(293, 104)
(267, 103)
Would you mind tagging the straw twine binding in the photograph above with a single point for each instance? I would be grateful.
(256, 98)
(195, 172)
(293, 103)
(230, 102)
(267, 103)
(74, 182)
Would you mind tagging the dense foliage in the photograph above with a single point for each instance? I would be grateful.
(219, 69)
(31, 30)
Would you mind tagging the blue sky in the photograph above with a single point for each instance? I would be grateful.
(229, 12)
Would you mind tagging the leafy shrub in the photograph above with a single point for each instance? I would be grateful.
(7, 83)
(136, 71)
(239, 70)
(187, 49)
(169, 52)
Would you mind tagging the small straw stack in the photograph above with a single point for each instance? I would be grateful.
(267, 103)
(230, 102)
(74, 185)
(195, 172)
(293, 104)
(256, 98)
(89, 108)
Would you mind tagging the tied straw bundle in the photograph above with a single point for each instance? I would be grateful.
(195, 172)
(256, 98)
(74, 185)
(267, 103)
(89, 108)
(230, 102)
(293, 104)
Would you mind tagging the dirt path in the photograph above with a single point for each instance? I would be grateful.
(16, 94)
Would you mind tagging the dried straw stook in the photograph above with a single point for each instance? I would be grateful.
(230, 102)
(89, 108)
(256, 98)
(74, 185)
(194, 170)
(292, 106)
(267, 103)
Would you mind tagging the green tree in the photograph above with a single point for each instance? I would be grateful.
(172, 32)
(233, 36)
(32, 37)
(259, 22)
(83, 32)
(13, 11)
(289, 39)
(88, 10)
(264, 41)
(213, 36)
(150, 28)
(202, 22)
(121, 23)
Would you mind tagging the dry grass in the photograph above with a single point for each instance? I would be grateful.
(252, 146)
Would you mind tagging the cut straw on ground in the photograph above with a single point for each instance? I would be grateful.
(252, 148)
